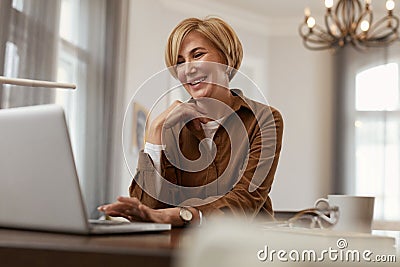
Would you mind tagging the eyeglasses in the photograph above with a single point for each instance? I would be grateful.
(315, 218)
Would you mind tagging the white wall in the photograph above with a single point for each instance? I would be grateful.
(300, 85)
(148, 29)
(296, 81)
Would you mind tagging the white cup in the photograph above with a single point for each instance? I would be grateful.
(355, 212)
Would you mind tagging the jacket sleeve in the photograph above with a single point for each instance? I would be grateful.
(247, 197)
(145, 177)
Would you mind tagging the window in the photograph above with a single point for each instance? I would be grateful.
(377, 138)
(11, 64)
(67, 41)
(367, 156)
(72, 63)
(28, 43)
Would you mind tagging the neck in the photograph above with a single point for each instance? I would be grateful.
(219, 106)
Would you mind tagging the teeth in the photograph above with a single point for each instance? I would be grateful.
(198, 81)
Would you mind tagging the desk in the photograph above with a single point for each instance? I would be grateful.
(28, 248)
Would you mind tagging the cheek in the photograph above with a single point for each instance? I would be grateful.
(204, 67)
(180, 74)
(218, 71)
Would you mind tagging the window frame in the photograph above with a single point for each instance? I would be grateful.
(348, 63)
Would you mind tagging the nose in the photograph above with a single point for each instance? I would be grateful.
(190, 68)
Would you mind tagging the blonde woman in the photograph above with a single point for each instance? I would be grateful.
(228, 137)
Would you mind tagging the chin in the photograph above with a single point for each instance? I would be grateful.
(200, 92)
(197, 95)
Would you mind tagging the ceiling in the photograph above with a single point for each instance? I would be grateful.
(276, 8)
(270, 17)
(286, 8)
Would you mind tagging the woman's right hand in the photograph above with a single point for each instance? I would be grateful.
(176, 112)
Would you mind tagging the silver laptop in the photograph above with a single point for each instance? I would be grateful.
(39, 186)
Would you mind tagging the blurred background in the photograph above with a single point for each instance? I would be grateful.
(340, 108)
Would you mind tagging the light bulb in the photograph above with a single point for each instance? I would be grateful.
(334, 29)
(307, 12)
(328, 3)
(364, 25)
(390, 5)
(310, 22)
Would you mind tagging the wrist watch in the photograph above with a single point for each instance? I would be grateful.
(186, 215)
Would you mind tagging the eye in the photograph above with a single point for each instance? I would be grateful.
(198, 55)
(180, 61)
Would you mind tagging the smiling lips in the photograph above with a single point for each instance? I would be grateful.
(197, 81)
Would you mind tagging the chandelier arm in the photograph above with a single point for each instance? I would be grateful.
(359, 46)
(386, 39)
(347, 14)
(339, 13)
(314, 42)
(367, 15)
(315, 48)
(328, 15)
(394, 25)
(311, 36)
(316, 34)
(351, 11)
(358, 35)
(357, 11)
(334, 21)
(322, 35)
(301, 27)
(378, 42)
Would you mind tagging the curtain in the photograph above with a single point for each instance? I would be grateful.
(68, 41)
(368, 127)
(30, 41)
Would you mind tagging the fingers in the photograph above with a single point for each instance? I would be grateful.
(197, 124)
(118, 214)
(128, 207)
(132, 209)
(119, 206)
(184, 112)
(129, 200)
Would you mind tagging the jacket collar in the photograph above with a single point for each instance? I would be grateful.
(239, 101)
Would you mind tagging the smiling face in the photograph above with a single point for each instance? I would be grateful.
(201, 67)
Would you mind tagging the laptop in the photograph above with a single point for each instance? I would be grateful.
(39, 185)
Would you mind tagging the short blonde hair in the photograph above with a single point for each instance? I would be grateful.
(221, 35)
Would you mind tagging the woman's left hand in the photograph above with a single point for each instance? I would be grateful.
(132, 209)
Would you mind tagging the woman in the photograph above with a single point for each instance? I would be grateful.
(233, 173)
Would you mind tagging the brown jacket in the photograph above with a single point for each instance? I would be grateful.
(236, 181)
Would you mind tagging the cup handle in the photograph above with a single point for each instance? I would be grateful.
(319, 201)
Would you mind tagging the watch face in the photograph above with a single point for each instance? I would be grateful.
(186, 214)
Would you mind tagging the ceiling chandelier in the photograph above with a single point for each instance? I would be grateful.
(349, 22)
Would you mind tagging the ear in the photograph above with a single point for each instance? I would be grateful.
(229, 72)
